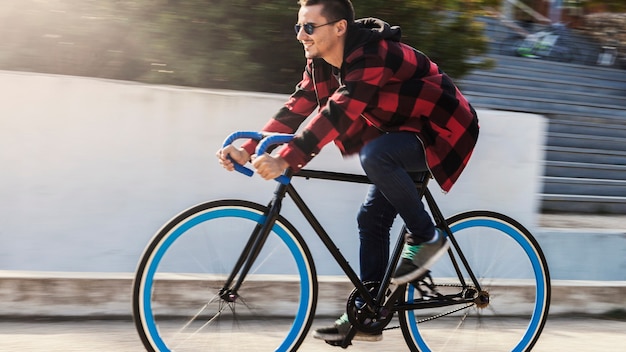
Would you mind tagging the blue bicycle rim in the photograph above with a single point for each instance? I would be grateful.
(294, 248)
(537, 269)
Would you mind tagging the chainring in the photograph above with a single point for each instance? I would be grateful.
(363, 318)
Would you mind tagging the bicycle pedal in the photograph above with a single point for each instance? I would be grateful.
(426, 287)
(424, 280)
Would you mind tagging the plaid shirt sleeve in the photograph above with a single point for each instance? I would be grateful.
(363, 76)
(395, 88)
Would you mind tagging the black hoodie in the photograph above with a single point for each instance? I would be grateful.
(367, 30)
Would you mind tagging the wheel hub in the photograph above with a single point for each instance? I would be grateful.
(482, 299)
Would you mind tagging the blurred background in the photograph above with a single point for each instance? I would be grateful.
(224, 44)
(202, 43)
(97, 148)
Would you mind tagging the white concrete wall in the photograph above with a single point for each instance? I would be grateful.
(90, 169)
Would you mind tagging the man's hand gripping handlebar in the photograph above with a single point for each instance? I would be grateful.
(266, 140)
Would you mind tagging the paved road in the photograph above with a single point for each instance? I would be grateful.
(561, 334)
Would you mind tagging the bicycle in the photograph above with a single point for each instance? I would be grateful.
(236, 275)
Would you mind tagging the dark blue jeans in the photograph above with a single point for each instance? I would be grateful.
(387, 161)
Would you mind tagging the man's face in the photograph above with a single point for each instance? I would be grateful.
(324, 41)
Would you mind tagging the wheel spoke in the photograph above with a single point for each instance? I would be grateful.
(191, 257)
(511, 270)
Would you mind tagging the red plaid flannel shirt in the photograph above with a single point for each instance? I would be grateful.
(384, 86)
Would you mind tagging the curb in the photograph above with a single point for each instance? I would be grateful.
(108, 295)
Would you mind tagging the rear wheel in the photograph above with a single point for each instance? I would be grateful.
(510, 311)
(177, 305)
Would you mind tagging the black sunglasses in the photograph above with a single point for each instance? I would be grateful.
(310, 27)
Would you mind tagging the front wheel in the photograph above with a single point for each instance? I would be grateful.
(509, 313)
(177, 305)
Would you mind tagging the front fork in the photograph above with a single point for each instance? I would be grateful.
(254, 245)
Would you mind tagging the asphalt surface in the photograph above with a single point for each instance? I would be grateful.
(561, 334)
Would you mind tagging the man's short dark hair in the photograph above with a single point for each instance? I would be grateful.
(333, 9)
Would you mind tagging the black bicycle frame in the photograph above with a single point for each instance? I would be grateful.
(261, 231)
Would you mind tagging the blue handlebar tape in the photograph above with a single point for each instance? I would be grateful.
(266, 142)
(271, 140)
(282, 179)
(257, 136)
(240, 135)
(240, 168)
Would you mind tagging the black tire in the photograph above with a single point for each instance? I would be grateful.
(512, 271)
(176, 305)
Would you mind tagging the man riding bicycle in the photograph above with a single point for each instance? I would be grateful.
(393, 106)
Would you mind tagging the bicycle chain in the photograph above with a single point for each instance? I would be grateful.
(441, 314)
(444, 314)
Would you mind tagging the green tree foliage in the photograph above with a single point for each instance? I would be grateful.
(231, 44)
(234, 44)
(446, 31)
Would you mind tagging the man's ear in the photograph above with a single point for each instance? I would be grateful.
(341, 28)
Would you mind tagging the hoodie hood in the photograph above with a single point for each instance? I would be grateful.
(367, 30)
